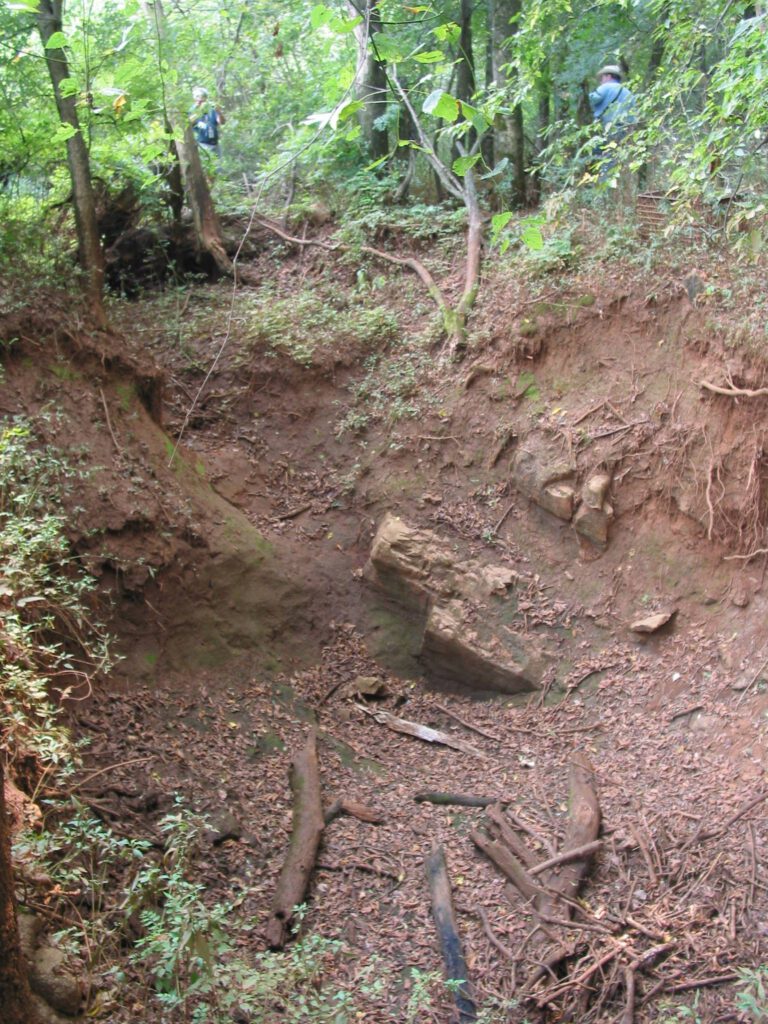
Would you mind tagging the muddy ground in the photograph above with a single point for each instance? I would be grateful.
(231, 524)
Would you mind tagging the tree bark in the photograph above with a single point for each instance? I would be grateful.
(15, 994)
(371, 82)
(206, 221)
(509, 137)
(308, 824)
(207, 225)
(49, 21)
(465, 68)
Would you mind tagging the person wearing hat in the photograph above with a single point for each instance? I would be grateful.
(612, 102)
(613, 109)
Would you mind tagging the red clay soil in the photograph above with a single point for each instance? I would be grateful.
(674, 724)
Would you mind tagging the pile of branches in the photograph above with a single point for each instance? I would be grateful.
(669, 920)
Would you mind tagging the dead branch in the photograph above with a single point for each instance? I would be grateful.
(450, 942)
(703, 835)
(492, 937)
(731, 391)
(577, 853)
(422, 732)
(109, 423)
(465, 723)
(418, 268)
(270, 225)
(507, 863)
(426, 796)
(355, 810)
(305, 840)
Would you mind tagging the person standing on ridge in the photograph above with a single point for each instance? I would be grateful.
(206, 120)
(613, 108)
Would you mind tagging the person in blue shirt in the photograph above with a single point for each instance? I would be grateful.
(613, 107)
(206, 120)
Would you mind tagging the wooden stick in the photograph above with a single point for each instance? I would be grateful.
(466, 724)
(576, 853)
(733, 392)
(109, 423)
(426, 796)
(422, 732)
(507, 863)
(444, 917)
(305, 841)
(510, 837)
(355, 810)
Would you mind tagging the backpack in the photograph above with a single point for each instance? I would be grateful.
(207, 128)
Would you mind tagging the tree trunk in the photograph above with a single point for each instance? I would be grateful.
(510, 139)
(207, 226)
(49, 20)
(174, 181)
(465, 68)
(371, 83)
(444, 917)
(544, 106)
(15, 994)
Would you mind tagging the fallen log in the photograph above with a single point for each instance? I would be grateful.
(444, 917)
(561, 882)
(307, 827)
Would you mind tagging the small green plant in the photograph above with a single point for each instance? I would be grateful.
(753, 998)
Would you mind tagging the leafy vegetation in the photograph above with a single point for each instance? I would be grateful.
(48, 632)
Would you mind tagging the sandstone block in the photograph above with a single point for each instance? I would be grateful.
(593, 523)
(452, 651)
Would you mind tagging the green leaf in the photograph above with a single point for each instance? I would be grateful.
(441, 104)
(63, 132)
(430, 57)
(320, 15)
(462, 164)
(531, 235)
(478, 119)
(56, 41)
(450, 32)
(68, 87)
(347, 111)
(500, 166)
(387, 48)
(498, 222)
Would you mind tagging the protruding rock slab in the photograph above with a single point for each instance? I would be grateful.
(595, 513)
(416, 566)
(653, 622)
(467, 610)
(545, 478)
(453, 652)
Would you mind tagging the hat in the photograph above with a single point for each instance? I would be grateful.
(199, 93)
(611, 69)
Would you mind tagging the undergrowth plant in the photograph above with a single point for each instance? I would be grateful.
(47, 629)
(309, 325)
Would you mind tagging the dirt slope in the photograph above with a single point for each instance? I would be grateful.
(242, 604)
